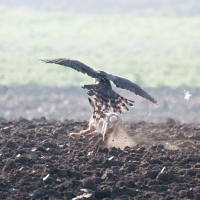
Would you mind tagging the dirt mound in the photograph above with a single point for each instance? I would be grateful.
(38, 160)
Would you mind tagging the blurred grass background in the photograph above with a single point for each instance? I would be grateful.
(150, 51)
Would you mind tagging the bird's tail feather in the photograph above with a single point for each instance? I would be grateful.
(107, 99)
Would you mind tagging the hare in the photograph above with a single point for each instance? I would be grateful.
(105, 123)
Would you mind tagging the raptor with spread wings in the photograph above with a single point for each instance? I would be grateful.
(105, 98)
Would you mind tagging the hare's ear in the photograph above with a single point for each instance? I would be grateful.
(91, 102)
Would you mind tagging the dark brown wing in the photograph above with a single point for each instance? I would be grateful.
(74, 64)
(106, 99)
(126, 84)
(120, 82)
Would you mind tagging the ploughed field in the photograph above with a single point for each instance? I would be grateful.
(71, 103)
(38, 160)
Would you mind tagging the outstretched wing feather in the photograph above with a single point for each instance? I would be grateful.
(126, 84)
(74, 64)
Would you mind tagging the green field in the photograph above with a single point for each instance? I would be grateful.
(155, 51)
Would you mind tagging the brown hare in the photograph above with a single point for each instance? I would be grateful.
(105, 123)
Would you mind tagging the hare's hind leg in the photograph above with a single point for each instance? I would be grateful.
(91, 129)
(104, 131)
(83, 132)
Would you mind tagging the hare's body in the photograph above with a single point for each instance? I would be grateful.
(105, 123)
(111, 125)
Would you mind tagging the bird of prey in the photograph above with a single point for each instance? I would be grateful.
(105, 98)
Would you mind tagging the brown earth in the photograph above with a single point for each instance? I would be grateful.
(38, 160)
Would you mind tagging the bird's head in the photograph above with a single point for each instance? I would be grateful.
(96, 80)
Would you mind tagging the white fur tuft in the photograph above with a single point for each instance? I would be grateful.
(113, 118)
